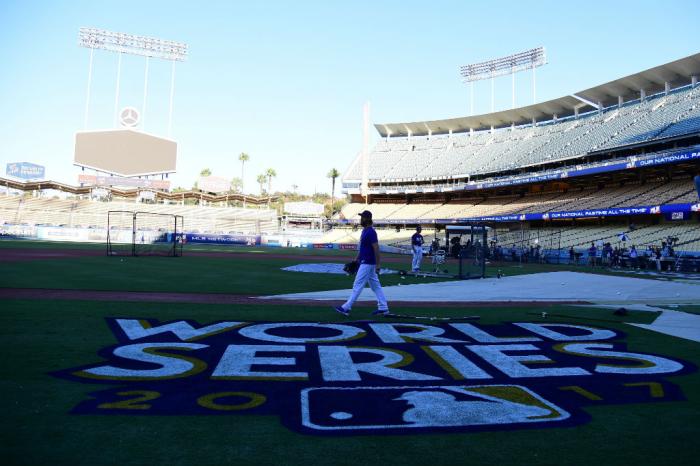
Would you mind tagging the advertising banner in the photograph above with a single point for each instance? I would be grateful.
(240, 240)
(669, 209)
(303, 208)
(26, 171)
(627, 164)
(214, 184)
(92, 180)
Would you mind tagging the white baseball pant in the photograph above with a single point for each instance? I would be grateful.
(417, 257)
(367, 273)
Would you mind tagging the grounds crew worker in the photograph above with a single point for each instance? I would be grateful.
(369, 260)
(417, 247)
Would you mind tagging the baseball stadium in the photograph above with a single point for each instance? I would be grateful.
(539, 300)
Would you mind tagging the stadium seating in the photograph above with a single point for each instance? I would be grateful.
(386, 236)
(484, 152)
(84, 213)
(631, 195)
(580, 237)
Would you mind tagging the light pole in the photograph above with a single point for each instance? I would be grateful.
(511, 64)
(121, 43)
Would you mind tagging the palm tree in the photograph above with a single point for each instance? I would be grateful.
(261, 181)
(236, 185)
(294, 188)
(205, 172)
(333, 174)
(243, 157)
(270, 173)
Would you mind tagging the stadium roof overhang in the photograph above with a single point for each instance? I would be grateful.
(652, 81)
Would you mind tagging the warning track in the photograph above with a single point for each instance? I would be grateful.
(25, 254)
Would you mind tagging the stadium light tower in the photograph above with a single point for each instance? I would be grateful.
(511, 64)
(122, 43)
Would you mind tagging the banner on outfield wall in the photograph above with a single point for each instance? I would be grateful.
(240, 240)
(25, 170)
(670, 210)
(632, 163)
(273, 241)
(214, 184)
(17, 231)
(613, 212)
(99, 235)
(321, 245)
(640, 162)
(92, 180)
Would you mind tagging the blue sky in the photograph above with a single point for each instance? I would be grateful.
(286, 81)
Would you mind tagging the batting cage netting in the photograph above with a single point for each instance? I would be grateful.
(468, 244)
(144, 234)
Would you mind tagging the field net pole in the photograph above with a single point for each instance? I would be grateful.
(181, 235)
(175, 236)
(522, 243)
(133, 234)
(484, 249)
(559, 248)
(109, 245)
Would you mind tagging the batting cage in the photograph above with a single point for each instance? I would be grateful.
(144, 234)
(468, 244)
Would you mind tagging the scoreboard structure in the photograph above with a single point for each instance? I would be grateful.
(126, 151)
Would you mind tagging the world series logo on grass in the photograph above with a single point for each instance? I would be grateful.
(374, 377)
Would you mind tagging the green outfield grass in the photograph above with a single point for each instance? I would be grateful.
(189, 274)
(14, 243)
(692, 309)
(194, 273)
(45, 336)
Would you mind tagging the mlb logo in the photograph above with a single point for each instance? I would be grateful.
(338, 409)
(655, 210)
(695, 208)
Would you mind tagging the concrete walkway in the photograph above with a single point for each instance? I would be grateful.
(674, 323)
(603, 290)
(541, 287)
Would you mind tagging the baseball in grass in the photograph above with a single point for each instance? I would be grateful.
(544, 315)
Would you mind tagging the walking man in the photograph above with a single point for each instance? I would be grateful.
(417, 247)
(369, 260)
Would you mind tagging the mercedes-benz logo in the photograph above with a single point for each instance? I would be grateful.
(129, 117)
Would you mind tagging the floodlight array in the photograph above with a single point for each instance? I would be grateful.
(135, 45)
(505, 65)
